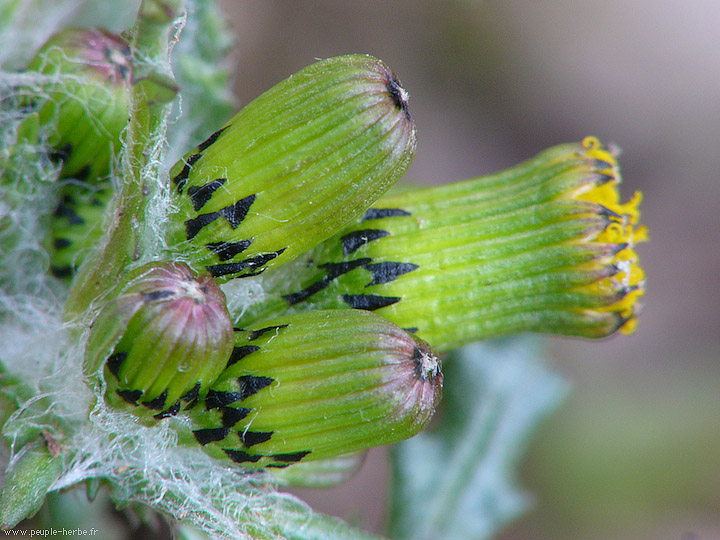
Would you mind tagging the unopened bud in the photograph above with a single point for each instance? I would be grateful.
(162, 340)
(292, 167)
(316, 385)
(87, 98)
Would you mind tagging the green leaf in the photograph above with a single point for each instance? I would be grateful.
(458, 480)
(28, 480)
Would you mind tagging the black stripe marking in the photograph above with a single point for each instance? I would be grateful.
(83, 174)
(250, 384)
(193, 394)
(62, 153)
(157, 404)
(172, 411)
(61, 271)
(235, 213)
(232, 415)
(238, 456)
(227, 250)
(398, 96)
(253, 263)
(114, 361)
(379, 213)
(290, 458)
(205, 436)
(385, 272)
(251, 438)
(604, 179)
(193, 226)
(369, 302)
(411, 330)
(216, 399)
(202, 194)
(257, 333)
(241, 352)
(65, 211)
(61, 243)
(333, 270)
(606, 212)
(601, 164)
(131, 396)
(181, 178)
(211, 139)
(356, 239)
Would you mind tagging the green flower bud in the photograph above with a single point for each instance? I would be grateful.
(316, 385)
(292, 167)
(87, 98)
(162, 340)
(545, 247)
(76, 226)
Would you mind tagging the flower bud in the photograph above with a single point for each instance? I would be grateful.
(87, 98)
(316, 385)
(544, 247)
(292, 167)
(162, 340)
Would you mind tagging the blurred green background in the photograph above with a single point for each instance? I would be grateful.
(634, 453)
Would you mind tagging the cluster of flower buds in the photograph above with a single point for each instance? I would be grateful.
(300, 174)
(305, 386)
(287, 172)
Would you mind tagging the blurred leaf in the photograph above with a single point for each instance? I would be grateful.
(457, 481)
(295, 521)
(28, 480)
(321, 473)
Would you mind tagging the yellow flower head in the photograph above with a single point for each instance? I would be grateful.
(625, 282)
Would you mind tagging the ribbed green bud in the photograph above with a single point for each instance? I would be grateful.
(87, 98)
(316, 385)
(545, 246)
(292, 167)
(162, 340)
(76, 225)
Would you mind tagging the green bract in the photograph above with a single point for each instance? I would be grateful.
(315, 385)
(291, 167)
